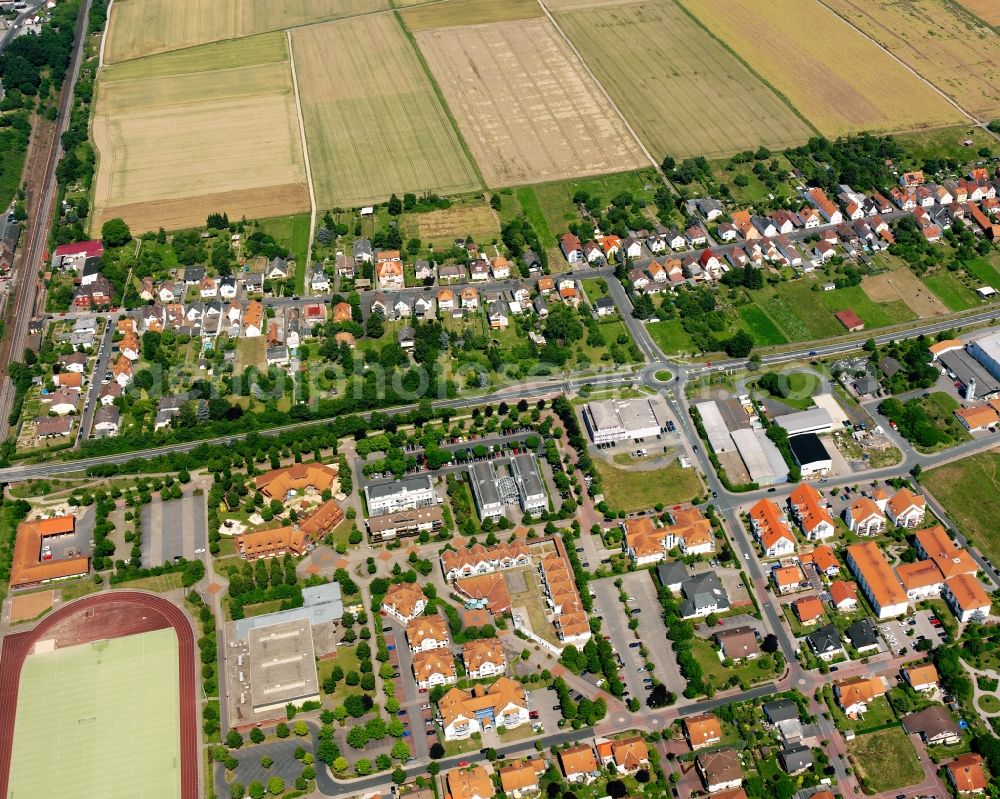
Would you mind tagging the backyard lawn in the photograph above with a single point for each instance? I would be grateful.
(885, 760)
(753, 671)
(632, 490)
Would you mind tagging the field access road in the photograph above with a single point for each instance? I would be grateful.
(29, 293)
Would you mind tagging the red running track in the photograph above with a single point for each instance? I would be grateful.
(94, 618)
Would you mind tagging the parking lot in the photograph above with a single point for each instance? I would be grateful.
(177, 528)
(897, 636)
(401, 659)
(614, 627)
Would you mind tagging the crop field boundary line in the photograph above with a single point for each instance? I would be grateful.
(305, 160)
(725, 45)
(604, 91)
(438, 93)
(906, 66)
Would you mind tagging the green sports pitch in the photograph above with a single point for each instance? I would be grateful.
(99, 719)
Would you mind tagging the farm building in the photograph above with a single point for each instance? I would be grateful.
(850, 320)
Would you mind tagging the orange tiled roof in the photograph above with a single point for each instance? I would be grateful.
(841, 590)
(263, 543)
(903, 499)
(870, 561)
(27, 566)
(967, 591)
(808, 608)
(947, 555)
(967, 772)
(922, 675)
(578, 759)
(468, 783)
(919, 574)
(278, 482)
(425, 628)
(434, 661)
(521, 775)
(480, 651)
(404, 597)
(858, 689)
(703, 729)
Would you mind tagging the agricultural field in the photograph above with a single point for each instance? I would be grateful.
(525, 104)
(465, 12)
(901, 285)
(950, 47)
(409, 143)
(967, 489)
(443, 226)
(172, 140)
(681, 90)
(986, 10)
(824, 67)
(145, 27)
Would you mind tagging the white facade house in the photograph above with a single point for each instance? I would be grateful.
(405, 494)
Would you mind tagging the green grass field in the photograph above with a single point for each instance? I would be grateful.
(99, 719)
(885, 760)
(671, 337)
(630, 490)
(951, 291)
(555, 200)
(984, 271)
(291, 232)
(763, 329)
(967, 488)
(528, 200)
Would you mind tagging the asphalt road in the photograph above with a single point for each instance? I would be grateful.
(18, 22)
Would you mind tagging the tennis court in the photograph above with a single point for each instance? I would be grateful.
(100, 719)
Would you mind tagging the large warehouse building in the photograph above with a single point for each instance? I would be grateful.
(282, 666)
(986, 350)
(810, 454)
(619, 419)
(814, 420)
(761, 457)
(715, 427)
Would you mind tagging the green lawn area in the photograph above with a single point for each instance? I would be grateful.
(592, 287)
(160, 583)
(260, 608)
(763, 329)
(797, 628)
(800, 389)
(984, 271)
(291, 232)
(951, 291)
(631, 490)
(663, 374)
(99, 705)
(875, 314)
(670, 336)
(943, 143)
(753, 671)
(528, 200)
(885, 760)
(555, 199)
(988, 703)
(755, 192)
(461, 747)
(348, 661)
(879, 714)
(968, 489)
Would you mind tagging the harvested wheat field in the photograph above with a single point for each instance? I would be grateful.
(374, 125)
(525, 104)
(836, 77)
(986, 10)
(145, 27)
(902, 284)
(174, 146)
(947, 45)
(447, 224)
(468, 12)
(683, 93)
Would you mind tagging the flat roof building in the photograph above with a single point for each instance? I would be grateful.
(715, 427)
(396, 495)
(986, 350)
(761, 457)
(810, 454)
(405, 523)
(282, 666)
(968, 370)
(618, 419)
(321, 604)
(814, 420)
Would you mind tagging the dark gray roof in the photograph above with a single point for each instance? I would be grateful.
(527, 471)
(931, 722)
(604, 302)
(193, 274)
(889, 366)
(825, 639)
(781, 710)
(862, 633)
(484, 483)
(672, 573)
(703, 591)
(796, 758)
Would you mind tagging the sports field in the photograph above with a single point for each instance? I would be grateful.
(374, 125)
(942, 41)
(144, 27)
(680, 89)
(466, 12)
(99, 719)
(176, 143)
(831, 73)
(525, 104)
